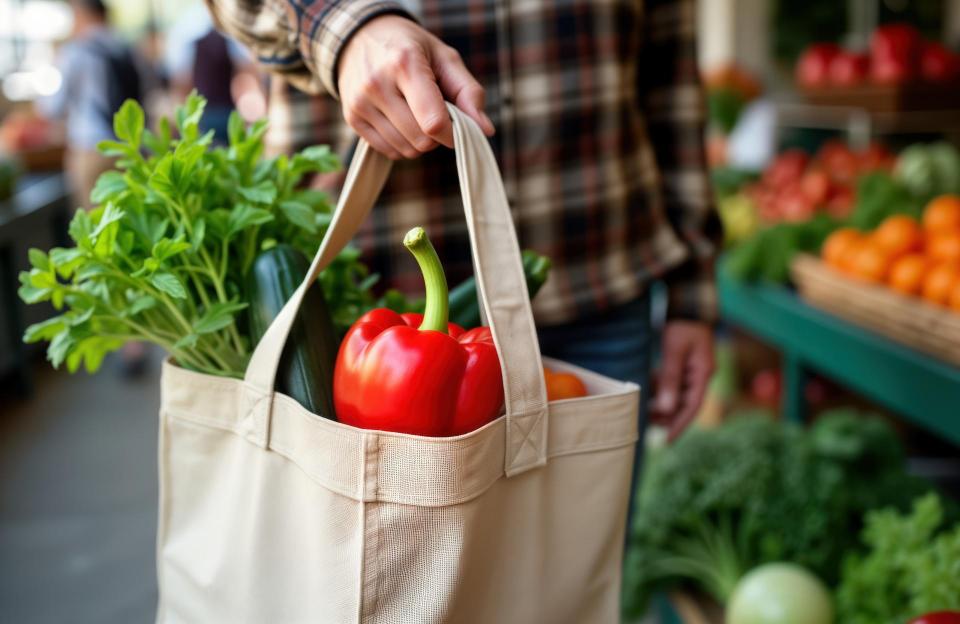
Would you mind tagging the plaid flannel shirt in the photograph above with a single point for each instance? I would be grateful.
(599, 136)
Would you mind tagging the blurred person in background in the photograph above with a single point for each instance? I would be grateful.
(595, 114)
(199, 57)
(99, 72)
(150, 48)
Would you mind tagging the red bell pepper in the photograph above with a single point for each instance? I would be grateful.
(940, 617)
(415, 373)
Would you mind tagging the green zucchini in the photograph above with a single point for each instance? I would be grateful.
(464, 307)
(306, 367)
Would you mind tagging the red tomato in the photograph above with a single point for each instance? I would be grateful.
(895, 41)
(787, 167)
(939, 617)
(794, 204)
(894, 49)
(765, 386)
(838, 161)
(815, 184)
(876, 158)
(938, 64)
(828, 149)
(841, 202)
(768, 207)
(848, 69)
(890, 72)
(813, 65)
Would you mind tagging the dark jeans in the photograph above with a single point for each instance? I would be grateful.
(216, 118)
(618, 344)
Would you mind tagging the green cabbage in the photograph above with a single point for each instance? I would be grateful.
(780, 593)
(928, 170)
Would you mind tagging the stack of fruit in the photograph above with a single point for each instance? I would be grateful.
(794, 187)
(915, 259)
(897, 55)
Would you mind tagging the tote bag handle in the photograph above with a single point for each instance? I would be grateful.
(500, 282)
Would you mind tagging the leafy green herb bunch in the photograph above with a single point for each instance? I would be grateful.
(162, 258)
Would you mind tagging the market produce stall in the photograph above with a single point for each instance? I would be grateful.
(902, 83)
(843, 257)
(876, 314)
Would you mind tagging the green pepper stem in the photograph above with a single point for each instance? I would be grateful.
(436, 310)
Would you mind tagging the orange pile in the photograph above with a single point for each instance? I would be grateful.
(918, 259)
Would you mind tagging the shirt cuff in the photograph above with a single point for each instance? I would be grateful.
(331, 28)
(692, 293)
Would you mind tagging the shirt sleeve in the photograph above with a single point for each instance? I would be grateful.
(298, 39)
(675, 109)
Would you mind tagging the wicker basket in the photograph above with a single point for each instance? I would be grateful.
(907, 320)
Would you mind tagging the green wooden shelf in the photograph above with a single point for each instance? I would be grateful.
(916, 386)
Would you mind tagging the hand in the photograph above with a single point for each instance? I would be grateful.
(393, 77)
(683, 376)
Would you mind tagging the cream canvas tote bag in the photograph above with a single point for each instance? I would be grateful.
(270, 514)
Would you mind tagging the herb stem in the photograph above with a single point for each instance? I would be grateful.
(155, 335)
(197, 284)
(215, 356)
(224, 255)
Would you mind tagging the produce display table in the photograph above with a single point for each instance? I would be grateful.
(34, 217)
(917, 387)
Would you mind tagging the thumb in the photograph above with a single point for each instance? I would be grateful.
(459, 86)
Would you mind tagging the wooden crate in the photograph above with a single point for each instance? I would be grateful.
(42, 159)
(908, 320)
(887, 98)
